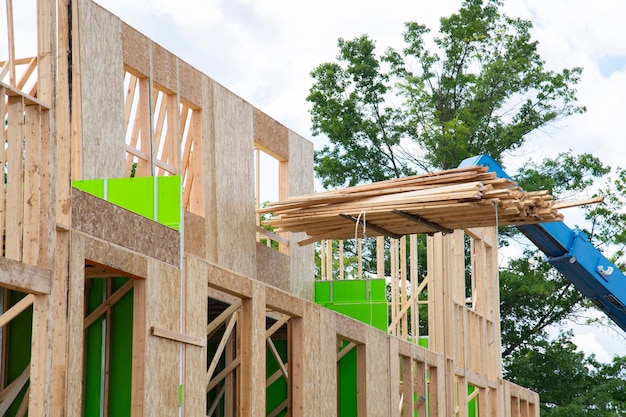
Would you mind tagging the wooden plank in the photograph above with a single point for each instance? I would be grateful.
(15, 310)
(63, 155)
(11, 42)
(59, 322)
(138, 375)
(252, 394)
(25, 278)
(32, 185)
(38, 400)
(75, 329)
(110, 301)
(196, 306)
(177, 336)
(14, 216)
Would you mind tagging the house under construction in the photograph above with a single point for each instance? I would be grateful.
(136, 276)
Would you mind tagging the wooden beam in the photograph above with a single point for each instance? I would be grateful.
(177, 336)
(14, 311)
(24, 278)
(421, 220)
(373, 227)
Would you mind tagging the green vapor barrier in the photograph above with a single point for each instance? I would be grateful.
(120, 332)
(275, 394)
(364, 300)
(19, 337)
(138, 195)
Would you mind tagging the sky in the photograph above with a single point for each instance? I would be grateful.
(264, 51)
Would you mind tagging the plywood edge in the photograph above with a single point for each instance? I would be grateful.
(177, 336)
(23, 277)
(229, 281)
(101, 219)
(284, 302)
(105, 254)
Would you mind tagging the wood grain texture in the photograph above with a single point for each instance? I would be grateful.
(271, 136)
(162, 356)
(25, 278)
(234, 166)
(196, 305)
(273, 267)
(101, 219)
(102, 92)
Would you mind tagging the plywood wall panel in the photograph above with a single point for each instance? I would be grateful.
(162, 360)
(273, 267)
(271, 136)
(136, 49)
(234, 189)
(102, 92)
(195, 235)
(164, 67)
(99, 218)
(377, 373)
(189, 79)
(196, 306)
(301, 182)
(327, 349)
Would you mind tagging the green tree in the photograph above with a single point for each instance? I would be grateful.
(483, 90)
(570, 384)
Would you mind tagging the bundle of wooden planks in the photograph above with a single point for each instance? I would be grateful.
(437, 202)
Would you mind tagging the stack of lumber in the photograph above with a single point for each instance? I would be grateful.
(438, 202)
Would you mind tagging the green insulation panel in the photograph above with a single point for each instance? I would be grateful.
(19, 336)
(362, 299)
(347, 398)
(118, 326)
(276, 393)
(137, 195)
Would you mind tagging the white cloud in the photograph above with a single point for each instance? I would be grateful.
(588, 343)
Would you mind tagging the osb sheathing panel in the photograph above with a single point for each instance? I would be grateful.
(300, 183)
(76, 309)
(164, 67)
(272, 267)
(229, 282)
(234, 190)
(195, 235)
(208, 167)
(377, 376)
(271, 136)
(102, 92)
(114, 257)
(319, 349)
(136, 52)
(99, 218)
(188, 80)
(196, 306)
(162, 361)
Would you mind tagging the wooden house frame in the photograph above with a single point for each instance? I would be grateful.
(209, 306)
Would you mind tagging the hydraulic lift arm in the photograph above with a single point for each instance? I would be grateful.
(573, 255)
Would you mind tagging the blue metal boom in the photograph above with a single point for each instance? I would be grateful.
(573, 255)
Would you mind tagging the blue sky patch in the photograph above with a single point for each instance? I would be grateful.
(610, 64)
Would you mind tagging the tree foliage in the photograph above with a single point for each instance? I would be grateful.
(568, 383)
(483, 89)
